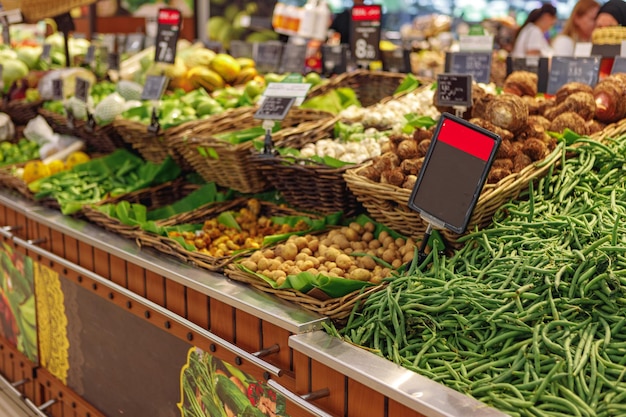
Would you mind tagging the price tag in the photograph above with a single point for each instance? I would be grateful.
(90, 56)
(477, 64)
(154, 87)
(334, 59)
(45, 52)
(292, 90)
(365, 34)
(454, 90)
(564, 70)
(274, 108)
(241, 49)
(267, 55)
(113, 61)
(12, 16)
(534, 64)
(168, 30)
(6, 31)
(134, 42)
(446, 197)
(619, 65)
(476, 43)
(622, 49)
(57, 89)
(215, 46)
(82, 89)
(398, 60)
(293, 58)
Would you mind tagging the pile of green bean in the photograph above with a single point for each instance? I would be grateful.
(530, 315)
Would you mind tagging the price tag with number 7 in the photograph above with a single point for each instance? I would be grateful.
(168, 29)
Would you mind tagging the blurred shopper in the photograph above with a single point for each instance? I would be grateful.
(577, 28)
(612, 13)
(531, 37)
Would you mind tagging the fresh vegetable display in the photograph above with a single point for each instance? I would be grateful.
(118, 173)
(22, 151)
(529, 315)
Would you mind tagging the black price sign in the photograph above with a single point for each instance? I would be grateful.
(274, 108)
(477, 64)
(241, 49)
(454, 90)
(57, 89)
(446, 197)
(293, 58)
(334, 59)
(134, 42)
(572, 69)
(397, 60)
(154, 87)
(45, 52)
(90, 56)
(168, 29)
(114, 61)
(534, 64)
(215, 46)
(365, 33)
(619, 65)
(82, 89)
(267, 56)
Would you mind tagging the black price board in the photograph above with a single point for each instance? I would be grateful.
(45, 52)
(446, 197)
(397, 60)
(619, 65)
(274, 108)
(334, 59)
(572, 69)
(454, 90)
(477, 64)
(82, 89)
(90, 56)
(134, 42)
(365, 34)
(293, 58)
(6, 31)
(536, 65)
(241, 49)
(114, 61)
(267, 55)
(168, 30)
(215, 46)
(57, 89)
(154, 87)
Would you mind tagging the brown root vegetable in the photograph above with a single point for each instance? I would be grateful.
(370, 173)
(545, 104)
(420, 134)
(581, 102)
(521, 83)
(594, 126)
(610, 99)
(412, 166)
(505, 150)
(422, 148)
(570, 88)
(393, 176)
(479, 106)
(508, 112)
(521, 161)
(569, 120)
(485, 124)
(535, 148)
(410, 181)
(407, 149)
(534, 106)
(497, 174)
(505, 163)
(386, 162)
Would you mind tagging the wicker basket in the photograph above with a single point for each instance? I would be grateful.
(36, 10)
(370, 86)
(153, 197)
(57, 122)
(230, 165)
(613, 130)
(333, 308)
(612, 35)
(9, 181)
(170, 246)
(307, 184)
(388, 204)
(20, 111)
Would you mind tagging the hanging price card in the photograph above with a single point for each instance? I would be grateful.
(534, 64)
(454, 90)
(569, 69)
(267, 55)
(477, 64)
(274, 108)
(57, 89)
(154, 87)
(45, 52)
(365, 34)
(90, 56)
(82, 89)
(619, 65)
(168, 30)
(293, 58)
(114, 61)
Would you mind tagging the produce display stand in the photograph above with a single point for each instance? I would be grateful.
(173, 304)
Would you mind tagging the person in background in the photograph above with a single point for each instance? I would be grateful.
(341, 24)
(612, 13)
(531, 39)
(577, 28)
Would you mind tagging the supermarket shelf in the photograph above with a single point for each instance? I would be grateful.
(13, 406)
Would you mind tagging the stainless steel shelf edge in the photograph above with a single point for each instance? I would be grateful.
(402, 385)
(288, 316)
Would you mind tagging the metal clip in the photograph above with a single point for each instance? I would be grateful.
(267, 351)
(36, 241)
